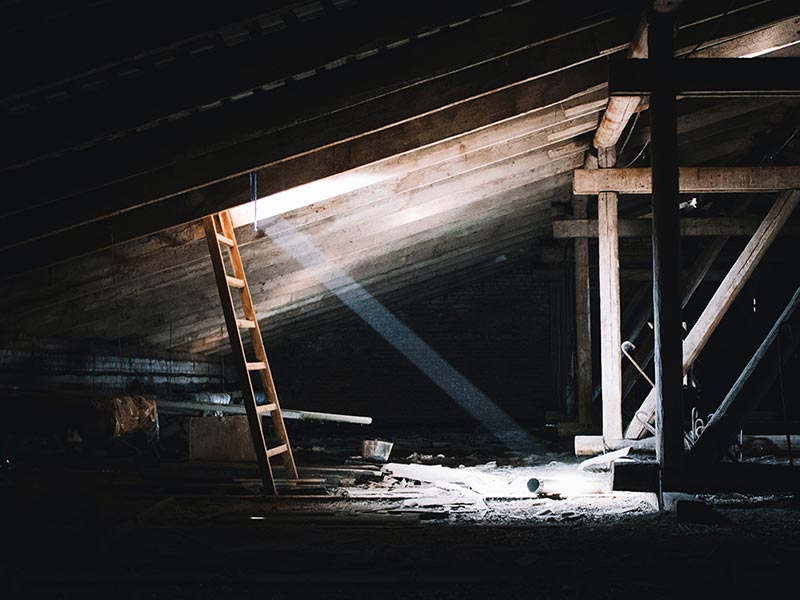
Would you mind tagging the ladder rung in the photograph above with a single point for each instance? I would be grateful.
(266, 408)
(234, 281)
(277, 450)
(222, 239)
(245, 324)
(256, 366)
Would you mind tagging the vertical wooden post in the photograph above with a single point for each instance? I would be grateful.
(610, 336)
(666, 251)
(583, 323)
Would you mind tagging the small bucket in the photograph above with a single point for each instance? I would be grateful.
(376, 450)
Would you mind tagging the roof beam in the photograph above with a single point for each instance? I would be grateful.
(621, 108)
(693, 180)
(690, 227)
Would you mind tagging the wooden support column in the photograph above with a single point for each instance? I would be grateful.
(722, 299)
(610, 337)
(666, 250)
(583, 324)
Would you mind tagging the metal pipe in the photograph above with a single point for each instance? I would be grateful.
(172, 407)
(625, 345)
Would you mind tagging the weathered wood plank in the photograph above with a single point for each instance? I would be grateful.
(610, 311)
(179, 407)
(150, 298)
(302, 288)
(690, 227)
(371, 210)
(281, 280)
(148, 256)
(283, 123)
(583, 325)
(433, 272)
(610, 355)
(693, 180)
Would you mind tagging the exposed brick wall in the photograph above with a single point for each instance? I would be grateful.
(496, 332)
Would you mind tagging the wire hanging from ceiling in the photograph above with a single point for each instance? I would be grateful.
(716, 30)
(254, 198)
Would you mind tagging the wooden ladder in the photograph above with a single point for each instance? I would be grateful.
(219, 234)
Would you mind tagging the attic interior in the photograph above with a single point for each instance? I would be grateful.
(419, 299)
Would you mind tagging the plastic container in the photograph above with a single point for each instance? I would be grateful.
(376, 450)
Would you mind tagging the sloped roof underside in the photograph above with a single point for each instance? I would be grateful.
(444, 134)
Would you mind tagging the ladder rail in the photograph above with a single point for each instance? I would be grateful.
(268, 383)
(237, 345)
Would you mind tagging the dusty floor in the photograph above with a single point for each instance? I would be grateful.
(181, 530)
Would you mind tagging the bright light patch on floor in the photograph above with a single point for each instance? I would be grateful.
(320, 190)
(571, 483)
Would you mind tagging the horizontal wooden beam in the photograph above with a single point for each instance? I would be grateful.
(622, 108)
(373, 238)
(693, 180)
(707, 77)
(690, 227)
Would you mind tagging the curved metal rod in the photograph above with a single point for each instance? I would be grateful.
(625, 345)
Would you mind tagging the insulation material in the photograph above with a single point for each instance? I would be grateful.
(104, 417)
(132, 413)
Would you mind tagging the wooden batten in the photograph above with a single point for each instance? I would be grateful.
(692, 180)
